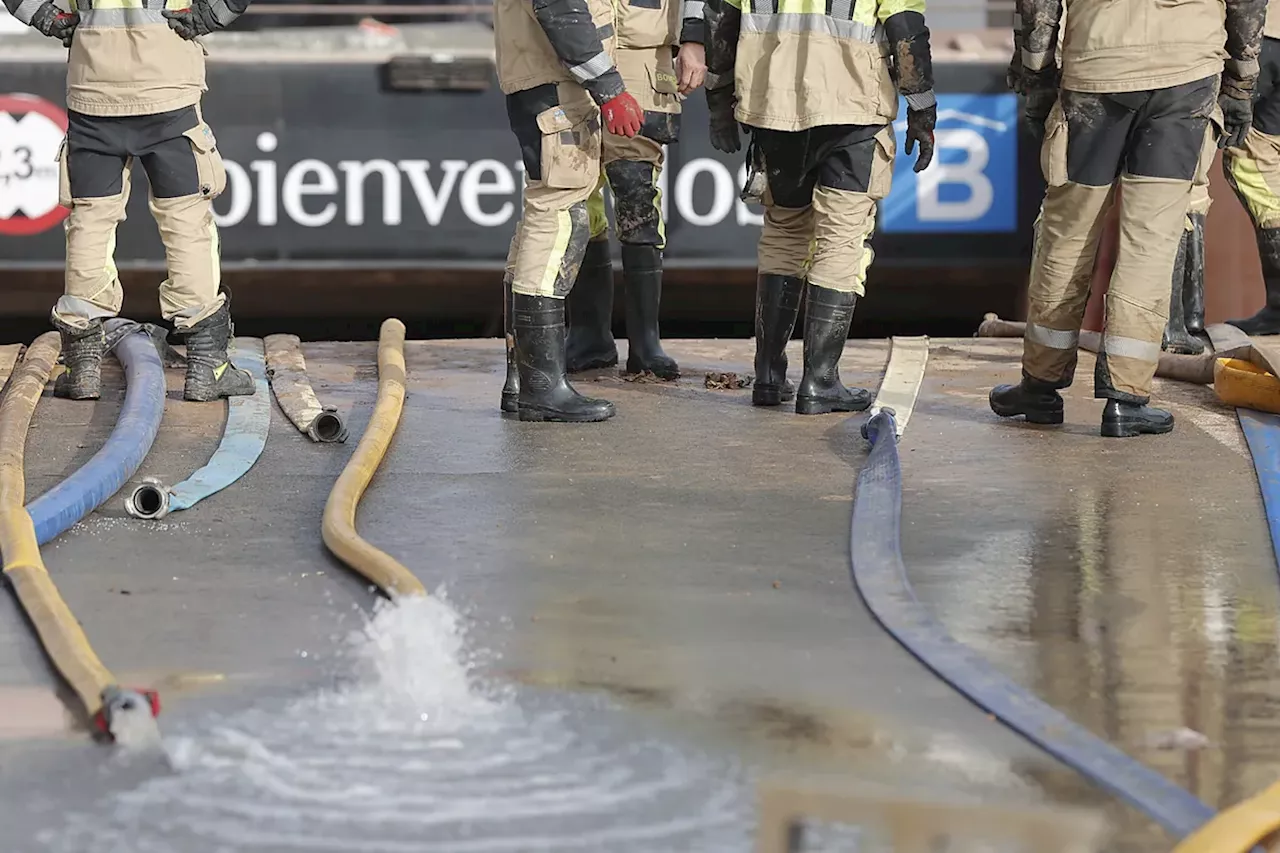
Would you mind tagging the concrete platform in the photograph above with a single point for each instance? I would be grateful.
(689, 560)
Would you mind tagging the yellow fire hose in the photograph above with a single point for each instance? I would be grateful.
(1238, 828)
(339, 525)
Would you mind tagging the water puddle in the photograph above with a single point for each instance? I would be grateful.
(413, 752)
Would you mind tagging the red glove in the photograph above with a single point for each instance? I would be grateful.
(622, 115)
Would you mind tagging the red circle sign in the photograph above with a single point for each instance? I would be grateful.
(28, 143)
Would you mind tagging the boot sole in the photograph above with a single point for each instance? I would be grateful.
(819, 406)
(543, 416)
(766, 397)
(1129, 429)
(511, 404)
(1042, 418)
(592, 364)
(667, 375)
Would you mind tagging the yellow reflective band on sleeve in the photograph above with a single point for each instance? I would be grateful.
(737, 4)
(888, 8)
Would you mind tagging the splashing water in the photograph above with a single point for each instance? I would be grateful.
(417, 754)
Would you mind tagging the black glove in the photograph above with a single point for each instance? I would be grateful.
(55, 23)
(1236, 103)
(193, 22)
(920, 124)
(1039, 90)
(724, 127)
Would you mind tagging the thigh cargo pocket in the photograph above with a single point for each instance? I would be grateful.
(213, 174)
(1053, 151)
(886, 148)
(1209, 150)
(570, 149)
(64, 175)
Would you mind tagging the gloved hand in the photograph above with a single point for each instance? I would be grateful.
(622, 115)
(1039, 90)
(1236, 102)
(55, 23)
(724, 127)
(194, 22)
(920, 124)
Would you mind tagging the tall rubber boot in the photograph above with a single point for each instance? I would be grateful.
(1193, 290)
(1125, 420)
(1266, 321)
(1039, 402)
(642, 273)
(1176, 338)
(589, 345)
(777, 306)
(82, 351)
(210, 375)
(545, 393)
(826, 328)
(511, 387)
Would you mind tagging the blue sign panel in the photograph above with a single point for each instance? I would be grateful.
(971, 185)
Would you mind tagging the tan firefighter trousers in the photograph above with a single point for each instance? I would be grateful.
(1149, 145)
(558, 128)
(820, 203)
(178, 152)
(1253, 169)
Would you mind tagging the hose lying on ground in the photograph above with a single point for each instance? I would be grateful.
(339, 525)
(287, 370)
(58, 509)
(243, 440)
(60, 633)
(1184, 368)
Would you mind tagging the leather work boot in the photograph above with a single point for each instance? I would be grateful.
(1124, 420)
(1039, 402)
(777, 306)
(1266, 321)
(545, 393)
(1193, 289)
(210, 375)
(642, 272)
(826, 328)
(82, 351)
(589, 344)
(511, 387)
(1176, 338)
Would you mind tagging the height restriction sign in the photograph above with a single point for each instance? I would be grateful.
(31, 132)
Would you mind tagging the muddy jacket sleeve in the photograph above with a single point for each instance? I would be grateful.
(1244, 23)
(693, 27)
(23, 9)
(724, 23)
(573, 36)
(1037, 21)
(908, 37)
(225, 12)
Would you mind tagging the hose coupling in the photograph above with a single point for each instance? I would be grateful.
(328, 426)
(149, 501)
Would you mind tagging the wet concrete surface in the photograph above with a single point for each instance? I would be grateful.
(688, 560)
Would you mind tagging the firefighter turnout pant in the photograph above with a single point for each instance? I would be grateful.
(558, 129)
(1253, 170)
(1149, 145)
(820, 201)
(178, 152)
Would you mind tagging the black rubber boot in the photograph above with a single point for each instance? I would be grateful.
(777, 306)
(82, 351)
(1039, 402)
(1193, 289)
(826, 328)
(545, 393)
(511, 387)
(210, 375)
(642, 272)
(1124, 420)
(589, 344)
(1176, 338)
(1266, 321)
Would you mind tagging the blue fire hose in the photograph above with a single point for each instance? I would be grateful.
(875, 557)
(243, 440)
(58, 509)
